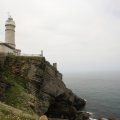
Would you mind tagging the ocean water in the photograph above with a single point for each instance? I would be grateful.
(100, 89)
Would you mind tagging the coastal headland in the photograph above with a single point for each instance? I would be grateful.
(34, 86)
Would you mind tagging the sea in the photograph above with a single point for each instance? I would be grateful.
(100, 89)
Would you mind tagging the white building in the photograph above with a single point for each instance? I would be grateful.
(9, 45)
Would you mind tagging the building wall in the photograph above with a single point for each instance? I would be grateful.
(1, 48)
(10, 37)
(5, 49)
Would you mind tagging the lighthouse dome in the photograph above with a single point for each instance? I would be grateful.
(10, 21)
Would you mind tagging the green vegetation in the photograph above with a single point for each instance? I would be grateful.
(16, 99)
(16, 93)
(11, 113)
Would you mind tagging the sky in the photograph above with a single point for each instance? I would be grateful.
(80, 35)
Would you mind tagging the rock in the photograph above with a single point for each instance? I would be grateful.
(72, 113)
(43, 117)
(3, 87)
(44, 82)
(112, 119)
(92, 119)
(102, 119)
(83, 115)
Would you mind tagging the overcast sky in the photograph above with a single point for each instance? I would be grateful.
(80, 35)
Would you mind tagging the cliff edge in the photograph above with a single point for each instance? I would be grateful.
(33, 85)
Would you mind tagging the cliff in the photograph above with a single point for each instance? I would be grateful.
(33, 85)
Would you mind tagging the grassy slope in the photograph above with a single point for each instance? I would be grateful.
(11, 113)
(16, 95)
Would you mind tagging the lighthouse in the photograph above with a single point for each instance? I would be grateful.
(10, 32)
(9, 47)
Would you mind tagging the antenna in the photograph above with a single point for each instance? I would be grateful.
(9, 16)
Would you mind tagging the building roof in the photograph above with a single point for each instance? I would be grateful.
(10, 21)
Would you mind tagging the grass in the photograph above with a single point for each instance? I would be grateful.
(16, 93)
(11, 113)
(15, 96)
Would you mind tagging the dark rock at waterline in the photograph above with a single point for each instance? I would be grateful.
(82, 115)
(64, 105)
(107, 119)
(75, 115)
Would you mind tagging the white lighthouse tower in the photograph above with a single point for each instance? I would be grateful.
(8, 47)
(10, 32)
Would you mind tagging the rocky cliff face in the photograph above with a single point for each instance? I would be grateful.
(32, 84)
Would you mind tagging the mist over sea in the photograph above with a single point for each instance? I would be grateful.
(100, 89)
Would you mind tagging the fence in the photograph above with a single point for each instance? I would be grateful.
(35, 55)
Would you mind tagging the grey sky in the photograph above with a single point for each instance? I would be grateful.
(80, 35)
